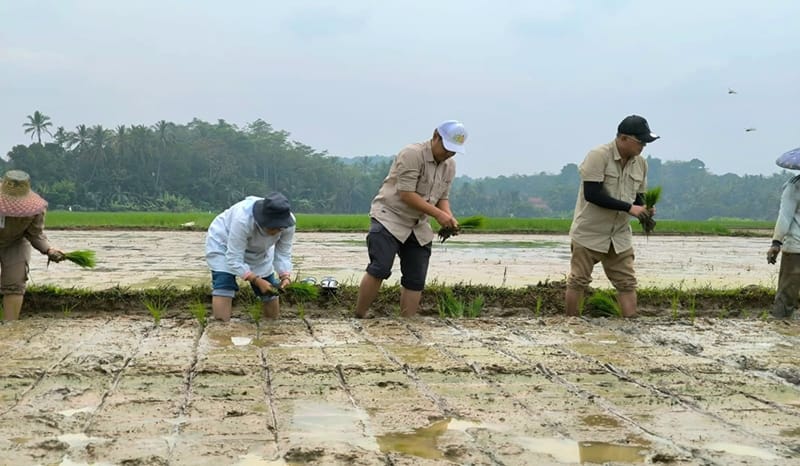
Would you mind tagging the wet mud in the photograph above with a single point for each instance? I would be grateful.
(146, 259)
(118, 389)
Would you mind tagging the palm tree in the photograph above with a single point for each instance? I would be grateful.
(62, 136)
(79, 140)
(37, 124)
(165, 139)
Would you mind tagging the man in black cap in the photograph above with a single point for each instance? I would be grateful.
(613, 183)
(251, 240)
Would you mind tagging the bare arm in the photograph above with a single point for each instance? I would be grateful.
(444, 217)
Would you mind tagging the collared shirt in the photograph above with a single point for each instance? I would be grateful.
(787, 227)
(595, 227)
(236, 244)
(414, 169)
(13, 231)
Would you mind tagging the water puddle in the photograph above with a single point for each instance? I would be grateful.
(791, 432)
(241, 341)
(72, 412)
(570, 451)
(80, 440)
(423, 441)
(742, 450)
(68, 462)
(255, 460)
(324, 422)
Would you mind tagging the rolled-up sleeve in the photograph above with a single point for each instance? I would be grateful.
(283, 252)
(409, 164)
(35, 234)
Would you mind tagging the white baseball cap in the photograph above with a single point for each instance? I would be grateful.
(453, 135)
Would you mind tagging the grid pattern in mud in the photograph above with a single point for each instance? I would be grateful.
(119, 390)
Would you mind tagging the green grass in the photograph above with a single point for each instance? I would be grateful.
(360, 223)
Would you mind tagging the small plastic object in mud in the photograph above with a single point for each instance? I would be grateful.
(309, 280)
(241, 341)
(447, 232)
(329, 284)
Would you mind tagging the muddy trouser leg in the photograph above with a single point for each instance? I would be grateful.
(786, 296)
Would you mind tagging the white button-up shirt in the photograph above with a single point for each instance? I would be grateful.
(236, 244)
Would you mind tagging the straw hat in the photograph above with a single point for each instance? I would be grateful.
(16, 197)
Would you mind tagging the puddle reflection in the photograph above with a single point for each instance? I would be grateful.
(423, 442)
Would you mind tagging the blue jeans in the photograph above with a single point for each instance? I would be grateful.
(224, 284)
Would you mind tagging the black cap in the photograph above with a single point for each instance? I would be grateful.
(636, 126)
(273, 211)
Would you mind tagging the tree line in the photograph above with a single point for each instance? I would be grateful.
(209, 166)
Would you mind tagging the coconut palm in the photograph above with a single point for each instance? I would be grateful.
(62, 136)
(37, 124)
(79, 140)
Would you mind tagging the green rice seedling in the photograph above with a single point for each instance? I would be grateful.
(302, 292)
(66, 309)
(475, 307)
(449, 306)
(539, 301)
(199, 311)
(604, 304)
(581, 306)
(301, 311)
(723, 313)
(651, 197)
(469, 223)
(675, 303)
(256, 312)
(692, 308)
(156, 307)
(764, 315)
(83, 258)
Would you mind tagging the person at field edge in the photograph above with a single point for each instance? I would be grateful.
(613, 183)
(417, 186)
(22, 213)
(786, 238)
(251, 240)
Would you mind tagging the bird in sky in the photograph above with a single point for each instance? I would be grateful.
(747, 130)
(731, 91)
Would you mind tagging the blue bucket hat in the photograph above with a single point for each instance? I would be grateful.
(273, 211)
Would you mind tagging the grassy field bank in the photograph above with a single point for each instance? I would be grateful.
(354, 223)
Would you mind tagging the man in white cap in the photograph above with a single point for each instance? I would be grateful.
(418, 186)
(613, 183)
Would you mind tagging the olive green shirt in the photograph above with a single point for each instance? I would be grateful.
(595, 227)
(414, 169)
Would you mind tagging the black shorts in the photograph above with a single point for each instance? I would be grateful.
(383, 247)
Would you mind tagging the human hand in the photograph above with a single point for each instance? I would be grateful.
(638, 211)
(285, 281)
(446, 220)
(55, 255)
(772, 254)
(652, 211)
(264, 286)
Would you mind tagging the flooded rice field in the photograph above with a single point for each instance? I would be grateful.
(104, 388)
(141, 259)
(111, 389)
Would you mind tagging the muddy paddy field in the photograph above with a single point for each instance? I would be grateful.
(108, 385)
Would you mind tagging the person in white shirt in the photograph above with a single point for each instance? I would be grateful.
(786, 238)
(251, 240)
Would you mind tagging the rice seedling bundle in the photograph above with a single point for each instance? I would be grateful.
(84, 258)
(647, 222)
(469, 223)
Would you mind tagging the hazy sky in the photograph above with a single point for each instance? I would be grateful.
(537, 83)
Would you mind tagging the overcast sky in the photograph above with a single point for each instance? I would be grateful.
(537, 83)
